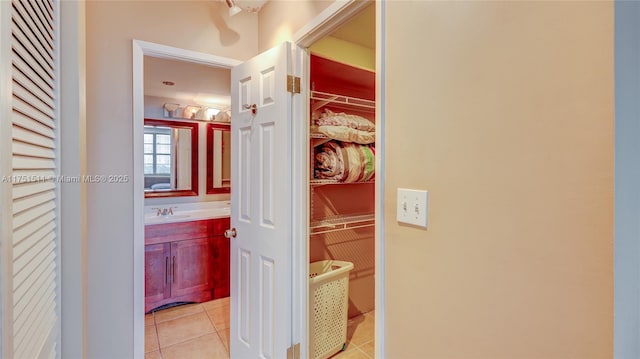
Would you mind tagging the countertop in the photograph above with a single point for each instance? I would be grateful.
(185, 212)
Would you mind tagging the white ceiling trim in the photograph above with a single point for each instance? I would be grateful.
(328, 20)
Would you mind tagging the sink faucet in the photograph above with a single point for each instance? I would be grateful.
(164, 211)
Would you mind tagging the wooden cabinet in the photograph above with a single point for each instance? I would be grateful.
(222, 267)
(156, 278)
(186, 262)
(191, 266)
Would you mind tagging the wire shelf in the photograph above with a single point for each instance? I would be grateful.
(322, 182)
(339, 223)
(318, 139)
(326, 98)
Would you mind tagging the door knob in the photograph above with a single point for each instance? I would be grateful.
(230, 233)
(253, 108)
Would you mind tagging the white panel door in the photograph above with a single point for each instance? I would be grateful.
(261, 206)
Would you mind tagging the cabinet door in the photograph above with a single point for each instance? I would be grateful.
(191, 265)
(156, 268)
(222, 266)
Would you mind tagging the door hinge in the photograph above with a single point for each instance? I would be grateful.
(294, 351)
(293, 84)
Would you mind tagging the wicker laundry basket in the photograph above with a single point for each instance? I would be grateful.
(328, 306)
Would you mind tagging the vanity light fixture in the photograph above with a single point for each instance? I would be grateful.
(190, 111)
(170, 109)
(193, 112)
(210, 113)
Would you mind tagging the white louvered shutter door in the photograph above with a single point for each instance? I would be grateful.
(34, 118)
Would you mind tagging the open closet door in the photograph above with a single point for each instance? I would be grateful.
(261, 154)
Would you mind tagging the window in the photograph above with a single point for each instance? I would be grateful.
(157, 151)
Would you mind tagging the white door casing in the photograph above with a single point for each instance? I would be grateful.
(140, 49)
(261, 254)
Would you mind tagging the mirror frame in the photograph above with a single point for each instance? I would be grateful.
(194, 159)
(209, 188)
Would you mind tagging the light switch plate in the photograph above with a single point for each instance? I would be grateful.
(413, 207)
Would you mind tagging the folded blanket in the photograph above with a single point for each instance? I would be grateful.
(329, 162)
(330, 118)
(345, 162)
(346, 134)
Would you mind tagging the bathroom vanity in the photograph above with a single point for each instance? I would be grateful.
(186, 261)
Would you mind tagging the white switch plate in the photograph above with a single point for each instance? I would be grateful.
(413, 206)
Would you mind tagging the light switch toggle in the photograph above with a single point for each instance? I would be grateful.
(417, 201)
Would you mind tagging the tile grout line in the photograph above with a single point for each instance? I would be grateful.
(188, 340)
(362, 351)
(224, 346)
(213, 324)
(155, 327)
(179, 316)
(222, 340)
(202, 309)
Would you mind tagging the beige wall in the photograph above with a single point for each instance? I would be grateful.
(504, 112)
(280, 19)
(111, 27)
(513, 138)
(345, 52)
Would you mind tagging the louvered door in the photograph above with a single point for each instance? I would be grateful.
(30, 237)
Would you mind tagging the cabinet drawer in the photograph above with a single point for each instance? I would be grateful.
(169, 232)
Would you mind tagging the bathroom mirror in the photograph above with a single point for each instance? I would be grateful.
(218, 158)
(170, 158)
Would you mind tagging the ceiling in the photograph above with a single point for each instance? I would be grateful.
(195, 84)
(361, 29)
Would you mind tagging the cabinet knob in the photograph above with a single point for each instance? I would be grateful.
(230, 233)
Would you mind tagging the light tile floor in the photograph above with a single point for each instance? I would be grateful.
(191, 331)
(360, 338)
(201, 331)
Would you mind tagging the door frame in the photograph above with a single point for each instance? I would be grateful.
(141, 49)
(322, 25)
(328, 20)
